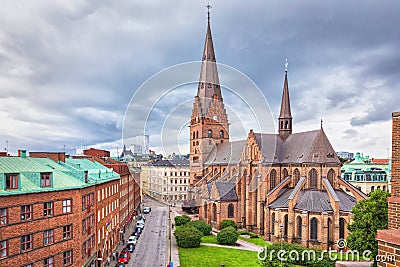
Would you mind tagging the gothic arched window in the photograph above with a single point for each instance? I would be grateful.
(342, 225)
(209, 133)
(299, 227)
(314, 229)
(221, 134)
(285, 173)
(313, 175)
(230, 210)
(273, 224)
(330, 176)
(214, 212)
(272, 179)
(296, 175)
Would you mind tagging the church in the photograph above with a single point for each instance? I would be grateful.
(282, 186)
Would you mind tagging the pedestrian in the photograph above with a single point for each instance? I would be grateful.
(173, 226)
(113, 256)
(108, 260)
(116, 254)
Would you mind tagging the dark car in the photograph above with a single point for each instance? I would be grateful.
(130, 247)
(124, 256)
(119, 264)
(138, 229)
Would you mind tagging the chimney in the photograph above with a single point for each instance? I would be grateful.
(22, 153)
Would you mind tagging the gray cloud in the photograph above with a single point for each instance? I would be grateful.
(68, 70)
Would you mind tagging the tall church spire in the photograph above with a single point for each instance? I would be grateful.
(285, 116)
(209, 87)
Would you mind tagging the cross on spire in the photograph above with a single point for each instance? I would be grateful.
(208, 6)
(286, 65)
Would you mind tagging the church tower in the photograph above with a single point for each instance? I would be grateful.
(209, 122)
(285, 117)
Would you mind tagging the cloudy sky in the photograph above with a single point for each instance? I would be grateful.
(68, 69)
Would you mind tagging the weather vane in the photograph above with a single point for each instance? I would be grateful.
(208, 6)
(286, 65)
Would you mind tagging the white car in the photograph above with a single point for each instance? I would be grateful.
(140, 224)
(132, 240)
(146, 210)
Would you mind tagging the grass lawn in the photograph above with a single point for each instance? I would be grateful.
(257, 241)
(215, 256)
(209, 239)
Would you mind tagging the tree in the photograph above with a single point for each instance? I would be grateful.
(200, 225)
(227, 236)
(188, 236)
(181, 220)
(227, 223)
(370, 215)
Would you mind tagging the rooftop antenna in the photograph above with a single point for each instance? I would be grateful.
(208, 6)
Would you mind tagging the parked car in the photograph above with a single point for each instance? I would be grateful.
(124, 256)
(119, 264)
(140, 224)
(130, 247)
(132, 240)
(138, 229)
(143, 218)
(146, 210)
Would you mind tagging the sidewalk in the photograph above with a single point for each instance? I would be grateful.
(174, 245)
(120, 246)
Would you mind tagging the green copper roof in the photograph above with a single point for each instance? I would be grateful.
(29, 169)
(64, 176)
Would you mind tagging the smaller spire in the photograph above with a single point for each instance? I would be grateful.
(208, 6)
(321, 124)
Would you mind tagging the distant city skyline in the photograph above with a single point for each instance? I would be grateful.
(68, 70)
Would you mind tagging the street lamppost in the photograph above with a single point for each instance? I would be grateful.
(169, 223)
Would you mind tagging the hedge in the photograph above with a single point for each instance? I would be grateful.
(200, 225)
(227, 223)
(181, 220)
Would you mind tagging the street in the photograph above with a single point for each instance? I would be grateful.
(151, 247)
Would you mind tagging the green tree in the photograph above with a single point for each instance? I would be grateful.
(227, 223)
(181, 220)
(227, 236)
(370, 215)
(188, 236)
(200, 225)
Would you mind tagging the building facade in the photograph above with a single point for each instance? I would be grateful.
(367, 175)
(168, 180)
(389, 240)
(281, 186)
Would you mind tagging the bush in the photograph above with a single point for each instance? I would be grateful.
(291, 258)
(227, 223)
(252, 235)
(188, 237)
(200, 225)
(181, 220)
(227, 236)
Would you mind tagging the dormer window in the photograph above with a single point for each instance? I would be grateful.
(45, 179)
(11, 181)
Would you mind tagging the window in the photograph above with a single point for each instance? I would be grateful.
(285, 173)
(67, 206)
(3, 216)
(209, 134)
(313, 178)
(45, 179)
(67, 231)
(26, 212)
(48, 262)
(3, 249)
(299, 227)
(48, 237)
(11, 181)
(330, 176)
(314, 229)
(67, 257)
(221, 134)
(372, 188)
(272, 180)
(214, 212)
(48, 209)
(285, 226)
(84, 226)
(342, 224)
(230, 211)
(273, 224)
(296, 174)
(26, 242)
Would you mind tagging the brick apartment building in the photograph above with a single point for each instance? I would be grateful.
(389, 240)
(69, 214)
(129, 185)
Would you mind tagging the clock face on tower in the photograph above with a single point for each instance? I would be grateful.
(215, 117)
